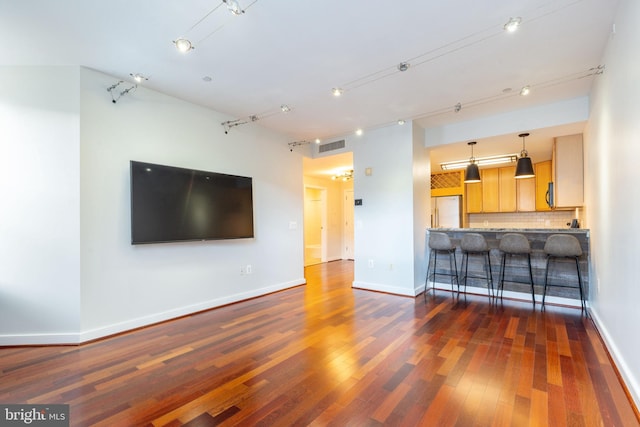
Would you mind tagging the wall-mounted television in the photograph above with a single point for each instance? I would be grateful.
(171, 204)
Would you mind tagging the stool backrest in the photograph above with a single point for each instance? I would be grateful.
(562, 245)
(515, 243)
(439, 241)
(474, 242)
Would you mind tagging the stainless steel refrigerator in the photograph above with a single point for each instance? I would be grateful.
(446, 212)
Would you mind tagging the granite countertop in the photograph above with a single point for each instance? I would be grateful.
(514, 230)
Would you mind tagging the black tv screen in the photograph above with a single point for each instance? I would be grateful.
(171, 204)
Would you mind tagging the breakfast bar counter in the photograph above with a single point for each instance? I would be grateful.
(560, 272)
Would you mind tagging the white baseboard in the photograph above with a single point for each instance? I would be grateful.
(116, 328)
(383, 288)
(628, 376)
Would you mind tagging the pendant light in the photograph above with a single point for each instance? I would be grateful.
(472, 174)
(524, 168)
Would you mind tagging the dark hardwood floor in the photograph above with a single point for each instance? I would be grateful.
(327, 354)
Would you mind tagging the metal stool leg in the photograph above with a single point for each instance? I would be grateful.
(583, 305)
(489, 275)
(546, 278)
(533, 294)
(501, 279)
(454, 268)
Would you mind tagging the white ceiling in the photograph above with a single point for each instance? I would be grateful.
(294, 52)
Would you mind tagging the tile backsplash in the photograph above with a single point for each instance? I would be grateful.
(553, 219)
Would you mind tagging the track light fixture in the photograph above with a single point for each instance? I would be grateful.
(139, 78)
(233, 7)
(233, 123)
(343, 176)
(112, 89)
(524, 168)
(183, 45)
(513, 24)
(403, 66)
(294, 144)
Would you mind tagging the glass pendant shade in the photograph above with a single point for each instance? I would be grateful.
(524, 168)
(472, 174)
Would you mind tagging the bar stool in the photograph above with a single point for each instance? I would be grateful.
(515, 244)
(440, 242)
(476, 244)
(563, 246)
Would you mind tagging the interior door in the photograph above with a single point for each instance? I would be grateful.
(314, 225)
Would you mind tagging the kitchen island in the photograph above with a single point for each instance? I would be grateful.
(560, 272)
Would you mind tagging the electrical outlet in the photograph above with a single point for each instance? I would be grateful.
(242, 271)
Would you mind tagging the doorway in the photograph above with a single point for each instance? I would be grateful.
(315, 218)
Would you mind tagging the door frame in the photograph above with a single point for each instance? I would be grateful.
(323, 220)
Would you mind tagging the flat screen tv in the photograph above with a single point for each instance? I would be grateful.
(171, 204)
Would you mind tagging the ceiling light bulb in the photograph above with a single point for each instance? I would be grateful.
(139, 78)
(233, 7)
(358, 132)
(513, 24)
(183, 45)
(336, 91)
(401, 122)
(317, 140)
(525, 91)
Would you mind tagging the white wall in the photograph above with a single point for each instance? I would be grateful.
(613, 201)
(39, 203)
(79, 277)
(384, 224)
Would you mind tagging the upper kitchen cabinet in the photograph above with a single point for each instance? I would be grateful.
(543, 178)
(568, 171)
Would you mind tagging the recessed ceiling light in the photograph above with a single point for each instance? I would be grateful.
(401, 122)
(358, 132)
(336, 91)
(526, 90)
(207, 79)
(285, 108)
(513, 24)
(183, 45)
(317, 140)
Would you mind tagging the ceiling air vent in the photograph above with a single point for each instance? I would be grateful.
(331, 146)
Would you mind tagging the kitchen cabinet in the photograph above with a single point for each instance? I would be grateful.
(474, 197)
(499, 191)
(526, 194)
(507, 186)
(490, 190)
(543, 178)
(568, 171)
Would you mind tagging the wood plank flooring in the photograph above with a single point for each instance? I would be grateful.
(325, 354)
